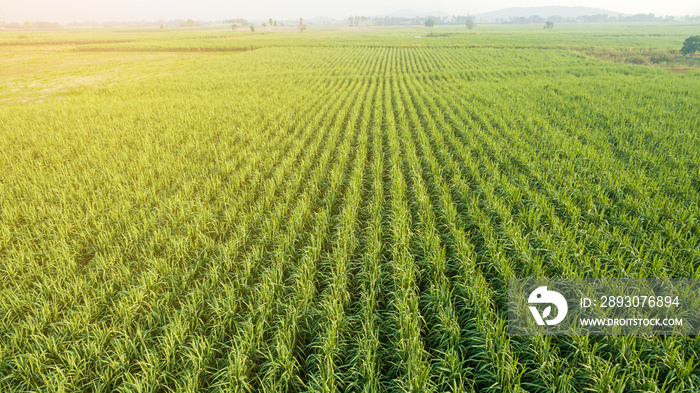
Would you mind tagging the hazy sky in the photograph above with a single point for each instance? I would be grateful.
(104, 10)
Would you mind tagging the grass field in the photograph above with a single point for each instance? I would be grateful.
(338, 210)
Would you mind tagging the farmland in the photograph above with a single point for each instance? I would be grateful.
(338, 210)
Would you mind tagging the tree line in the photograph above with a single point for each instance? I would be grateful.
(597, 18)
(418, 20)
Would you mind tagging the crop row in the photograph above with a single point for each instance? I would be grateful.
(327, 219)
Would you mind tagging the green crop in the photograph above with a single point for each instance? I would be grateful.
(337, 210)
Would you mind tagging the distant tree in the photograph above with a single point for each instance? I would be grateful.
(270, 22)
(190, 22)
(264, 25)
(252, 28)
(548, 25)
(351, 20)
(691, 45)
(302, 26)
(275, 23)
(470, 22)
(429, 23)
(234, 27)
(238, 21)
(162, 27)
